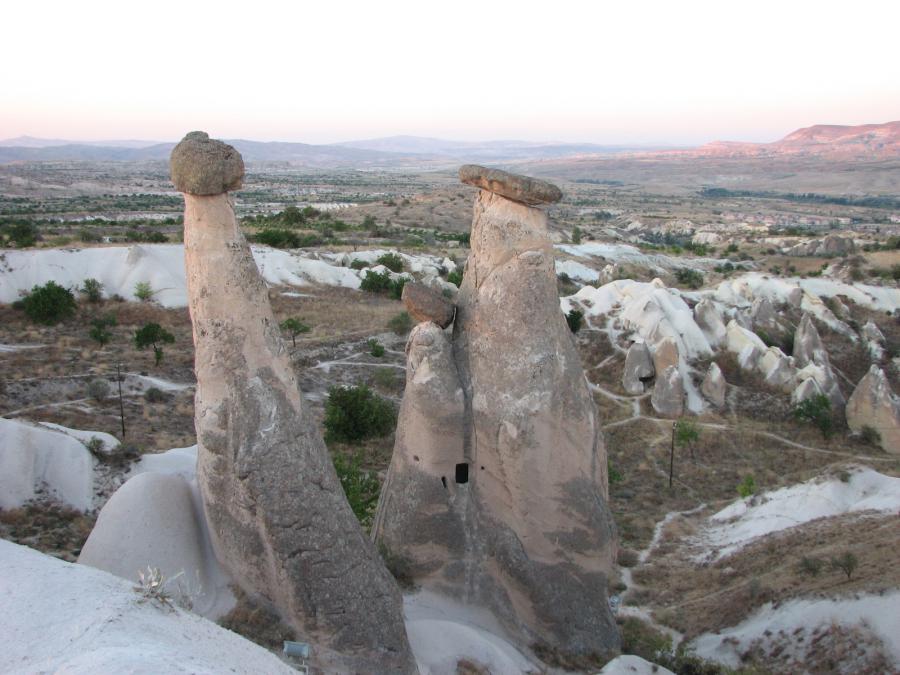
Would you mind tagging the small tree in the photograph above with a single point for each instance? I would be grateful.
(49, 304)
(143, 291)
(686, 434)
(376, 349)
(23, 234)
(576, 235)
(747, 487)
(93, 290)
(294, 327)
(455, 277)
(846, 563)
(292, 216)
(355, 413)
(98, 390)
(575, 318)
(360, 485)
(153, 335)
(392, 261)
(817, 411)
(99, 331)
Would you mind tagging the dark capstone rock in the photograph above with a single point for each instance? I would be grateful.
(523, 189)
(200, 165)
(426, 304)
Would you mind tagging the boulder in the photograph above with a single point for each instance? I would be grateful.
(745, 344)
(713, 386)
(665, 354)
(153, 521)
(707, 317)
(497, 490)
(778, 369)
(426, 304)
(873, 404)
(518, 188)
(762, 314)
(278, 519)
(668, 393)
(202, 166)
(638, 368)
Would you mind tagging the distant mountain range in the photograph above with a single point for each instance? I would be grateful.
(869, 141)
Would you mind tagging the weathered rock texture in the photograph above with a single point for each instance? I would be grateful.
(668, 393)
(713, 385)
(278, 518)
(874, 405)
(497, 492)
(638, 368)
(202, 166)
(809, 351)
(522, 189)
(426, 304)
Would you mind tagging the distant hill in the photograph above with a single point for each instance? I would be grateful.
(32, 142)
(869, 141)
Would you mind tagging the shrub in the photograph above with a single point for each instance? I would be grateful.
(22, 234)
(810, 566)
(355, 413)
(154, 395)
(376, 349)
(396, 288)
(95, 445)
(93, 290)
(279, 238)
(292, 216)
(143, 291)
(392, 261)
(386, 378)
(88, 236)
(456, 277)
(575, 318)
(376, 282)
(358, 264)
(870, 435)
(360, 485)
(614, 475)
(49, 304)
(686, 434)
(400, 323)
(747, 487)
(817, 411)
(98, 390)
(99, 331)
(294, 327)
(576, 235)
(153, 335)
(688, 277)
(846, 563)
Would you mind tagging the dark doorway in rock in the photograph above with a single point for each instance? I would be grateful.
(444, 481)
(462, 473)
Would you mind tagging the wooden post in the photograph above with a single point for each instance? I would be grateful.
(121, 405)
(672, 454)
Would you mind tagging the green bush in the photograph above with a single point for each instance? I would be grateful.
(99, 331)
(49, 304)
(575, 318)
(846, 563)
(292, 216)
(615, 476)
(810, 566)
(98, 390)
(360, 485)
(93, 290)
(143, 291)
(688, 277)
(153, 335)
(381, 282)
(356, 413)
(576, 235)
(456, 276)
(22, 234)
(376, 349)
(817, 411)
(400, 323)
(357, 264)
(870, 435)
(277, 238)
(155, 395)
(747, 487)
(396, 288)
(392, 261)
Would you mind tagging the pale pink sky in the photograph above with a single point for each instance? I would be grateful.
(610, 72)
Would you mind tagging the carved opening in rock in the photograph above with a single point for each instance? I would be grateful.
(444, 481)
(462, 473)
(646, 378)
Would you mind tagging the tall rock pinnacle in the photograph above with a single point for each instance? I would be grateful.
(497, 491)
(277, 515)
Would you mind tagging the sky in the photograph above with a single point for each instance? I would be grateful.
(639, 72)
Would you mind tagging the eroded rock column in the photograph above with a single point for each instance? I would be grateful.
(509, 512)
(278, 517)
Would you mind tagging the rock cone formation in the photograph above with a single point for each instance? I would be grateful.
(278, 518)
(497, 492)
(874, 405)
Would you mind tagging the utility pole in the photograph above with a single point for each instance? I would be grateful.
(122, 405)
(672, 454)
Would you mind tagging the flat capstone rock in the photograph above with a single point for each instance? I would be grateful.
(200, 165)
(522, 189)
(426, 304)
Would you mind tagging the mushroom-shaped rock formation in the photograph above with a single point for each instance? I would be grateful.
(713, 385)
(497, 491)
(873, 404)
(278, 518)
(426, 304)
(638, 368)
(518, 188)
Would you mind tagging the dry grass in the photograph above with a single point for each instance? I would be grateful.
(257, 622)
(54, 529)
